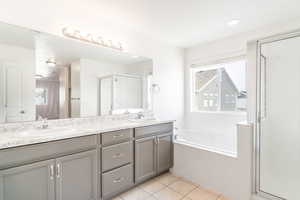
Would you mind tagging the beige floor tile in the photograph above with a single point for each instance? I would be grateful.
(182, 187)
(223, 198)
(190, 182)
(151, 198)
(117, 198)
(152, 186)
(135, 194)
(167, 194)
(167, 179)
(201, 194)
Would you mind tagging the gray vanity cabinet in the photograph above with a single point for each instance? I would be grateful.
(76, 176)
(164, 152)
(28, 182)
(57, 170)
(153, 150)
(145, 158)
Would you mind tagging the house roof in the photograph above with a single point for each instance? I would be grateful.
(205, 78)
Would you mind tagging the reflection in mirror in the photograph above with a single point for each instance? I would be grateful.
(45, 76)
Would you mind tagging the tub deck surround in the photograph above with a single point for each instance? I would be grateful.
(27, 134)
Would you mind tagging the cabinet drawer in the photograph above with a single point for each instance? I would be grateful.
(43, 151)
(154, 129)
(117, 155)
(116, 137)
(116, 181)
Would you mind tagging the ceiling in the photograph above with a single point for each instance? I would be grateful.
(182, 23)
(186, 23)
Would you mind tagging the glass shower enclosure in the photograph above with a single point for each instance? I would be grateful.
(121, 93)
(277, 141)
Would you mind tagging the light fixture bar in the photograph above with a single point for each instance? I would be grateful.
(89, 38)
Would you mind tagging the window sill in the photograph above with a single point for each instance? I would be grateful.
(221, 112)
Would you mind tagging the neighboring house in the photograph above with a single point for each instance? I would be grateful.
(215, 91)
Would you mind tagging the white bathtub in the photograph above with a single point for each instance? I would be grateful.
(217, 161)
(218, 142)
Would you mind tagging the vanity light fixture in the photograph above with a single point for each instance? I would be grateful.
(89, 38)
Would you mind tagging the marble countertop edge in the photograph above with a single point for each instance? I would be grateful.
(8, 141)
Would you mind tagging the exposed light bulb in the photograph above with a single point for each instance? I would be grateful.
(68, 31)
(89, 37)
(76, 34)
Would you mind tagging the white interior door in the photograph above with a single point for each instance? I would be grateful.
(280, 124)
(18, 94)
(13, 94)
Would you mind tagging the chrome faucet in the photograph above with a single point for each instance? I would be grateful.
(140, 115)
(44, 122)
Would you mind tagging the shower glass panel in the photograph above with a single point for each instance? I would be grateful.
(279, 119)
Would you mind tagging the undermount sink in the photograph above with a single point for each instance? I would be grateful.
(48, 131)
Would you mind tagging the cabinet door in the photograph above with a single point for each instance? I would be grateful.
(145, 158)
(76, 176)
(164, 152)
(28, 182)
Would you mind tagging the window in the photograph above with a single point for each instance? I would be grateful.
(219, 87)
(41, 96)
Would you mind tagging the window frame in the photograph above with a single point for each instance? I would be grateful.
(212, 66)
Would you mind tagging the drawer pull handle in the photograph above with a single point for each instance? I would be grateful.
(118, 180)
(117, 136)
(58, 171)
(51, 172)
(118, 155)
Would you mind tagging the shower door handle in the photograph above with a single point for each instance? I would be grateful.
(263, 107)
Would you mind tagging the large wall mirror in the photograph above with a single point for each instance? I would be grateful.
(46, 76)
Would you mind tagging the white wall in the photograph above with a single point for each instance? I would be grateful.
(52, 16)
(141, 68)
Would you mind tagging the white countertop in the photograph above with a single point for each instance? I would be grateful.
(34, 136)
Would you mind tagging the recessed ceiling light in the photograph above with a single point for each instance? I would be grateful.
(135, 56)
(233, 22)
